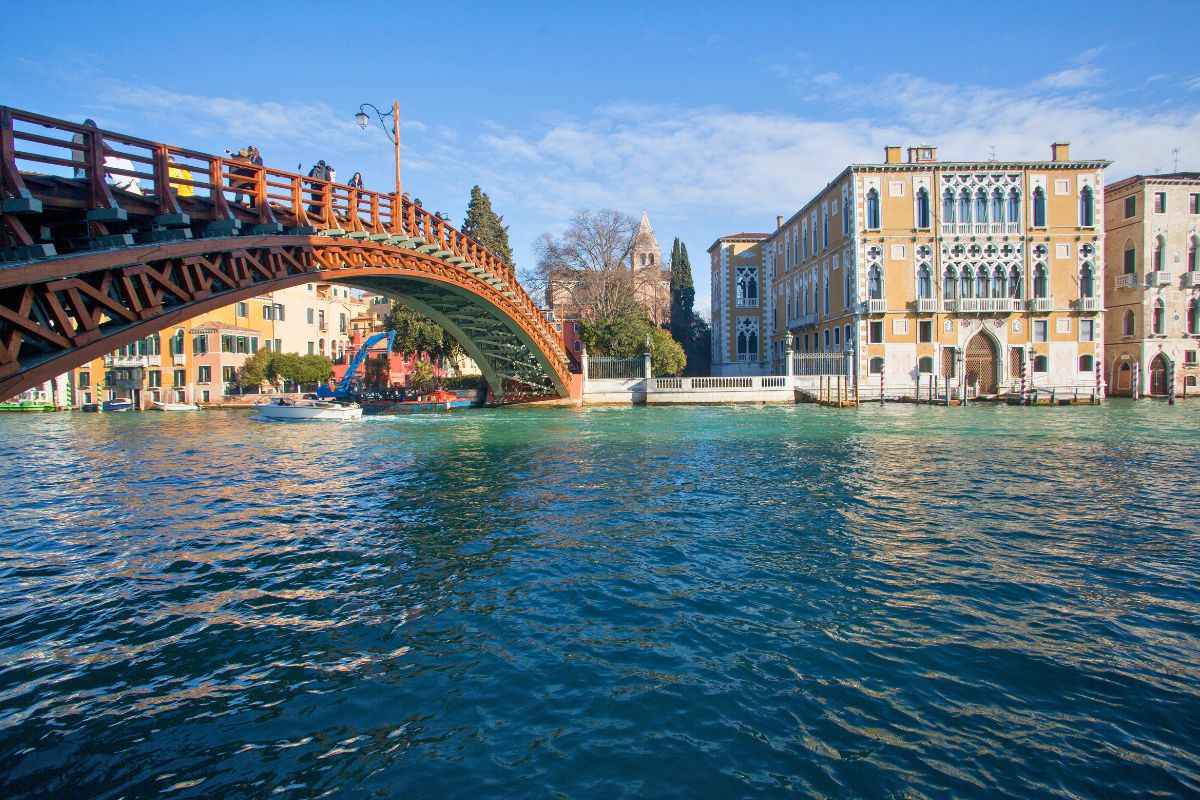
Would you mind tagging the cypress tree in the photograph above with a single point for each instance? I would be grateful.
(486, 227)
(687, 327)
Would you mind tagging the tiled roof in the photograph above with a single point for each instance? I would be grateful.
(213, 326)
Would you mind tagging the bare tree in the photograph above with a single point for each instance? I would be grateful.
(585, 273)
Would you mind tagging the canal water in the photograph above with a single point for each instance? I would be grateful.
(648, 602)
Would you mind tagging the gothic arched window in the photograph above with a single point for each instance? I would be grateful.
(997, 206)
(1014, 283)
(1039, 208)
(964, 206)
(1193, 246)
(1130, 263)
(1039, 282)
(1193, 317)
(998, 283)
(966, 284)
(1160, 250)
(873, 209)
(947, 206)
(981, 206)
(1158, 323)
(924, 284)
(176, 343)
(1087, 208)
(1087, 281)
(1086, 363)
(1014, 205)
(922, 207)
(981, 282)
(875, 283)
(949, 284)
(1127, 324)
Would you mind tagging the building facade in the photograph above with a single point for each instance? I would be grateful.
(738, 270)
(984, 275)
(1152, 284)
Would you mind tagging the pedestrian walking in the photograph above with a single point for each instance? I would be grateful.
(319, 172)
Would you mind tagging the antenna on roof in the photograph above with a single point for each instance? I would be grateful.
(993, 155)
(1175, 156)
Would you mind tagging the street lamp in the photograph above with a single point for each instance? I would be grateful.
(363, 119)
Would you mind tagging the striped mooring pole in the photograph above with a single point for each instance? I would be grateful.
(1099, 379)
(882, 369)
(1171, 382)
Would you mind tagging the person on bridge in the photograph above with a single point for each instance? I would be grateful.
(242, 157)
(356, 181)
(255, 159)
(321, 173)
(78, 155)
(176, 171)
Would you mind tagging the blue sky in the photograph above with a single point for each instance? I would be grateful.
(713, 117)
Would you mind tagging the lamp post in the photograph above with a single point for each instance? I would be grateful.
(363, 119)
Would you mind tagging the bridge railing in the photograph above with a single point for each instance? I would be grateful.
(174, 181)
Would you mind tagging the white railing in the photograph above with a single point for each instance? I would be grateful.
(1126, 281)
(982, 305)
(810, 364)
(155, 361)
(806, 320)
(774, 382)
(926, 305)
(126, 361)
(613, 368)
(1191, 280)
(747, 302)
(668, 383)
(722, 383)
(1088, 304)
(876, 306)
(178, 359)
(1041, 304)
(745, 382)
(1159, 278)
(980, 228)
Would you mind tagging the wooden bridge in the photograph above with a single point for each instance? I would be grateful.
(86, 267)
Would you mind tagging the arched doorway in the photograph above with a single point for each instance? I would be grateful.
(1158, 374)
(980, 364)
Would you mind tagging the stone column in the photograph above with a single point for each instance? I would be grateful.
(583, 364)
(646, 362)
(789, 365)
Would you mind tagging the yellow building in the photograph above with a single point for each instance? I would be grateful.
(1152, 284)
(738, 268)
(981, 274)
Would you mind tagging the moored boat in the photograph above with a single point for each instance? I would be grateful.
(26, 406)
(117, 404)
(433, 402)
(284, 409)
(175, 406)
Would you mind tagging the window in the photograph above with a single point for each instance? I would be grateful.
(203, 374)
(964, 206)
(997, 206)
(1127, 324)
(242, 310)
(848, 338)
(1158, 320)
(876, 365)
(226, 343)
(1039, 282)
(873, 209)
(1160, 249)
(1087, 363)
(268, 312)
(1130, 206)
(1160, 202)
(199, 345)
(1130, 267)
(1039, 208)
(1193, 246)
(925, 365)
(1194, 203)
(747, 339)
(1014, 206)
(321, 319)
(826, 297)
(1189, 357)
(925, 331)
(837, 339)
(309, 314)
(228, 374)
(175, 343)
(1087, 210)
(999, 284)
(949, 284)
(1041, 329)
(827, 340)
(924, 283)
(1014, 283)
(279, 345)
(747, 286)
(1041, 364)
(578, 345)
(804, 242)
(1087, 281)
(825, 230)
(154, 378)
(1087, 330)
(845, 217)
(922, 207)
(875, 332)
(85, 380)
(180, 377)
(1193, 317)
(341, 323)
(981, 206)
(875, 283)
(947, 207)
(312, 348)
(279, 313)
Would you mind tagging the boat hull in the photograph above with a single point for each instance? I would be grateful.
(117, 405)
(176, 407)
(314, 411)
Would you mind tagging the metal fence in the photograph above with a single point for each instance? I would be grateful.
(820, 364)
(613, 368)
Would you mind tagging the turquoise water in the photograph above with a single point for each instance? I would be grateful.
(649, 602)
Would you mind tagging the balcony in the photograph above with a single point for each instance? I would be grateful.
(1088, 304)
(981, 305)
(1159, 278)
(1041, 304)
(1127, 281)
(875, 306)
(925, 305)
(806, 320)
(126, 361)
(1191, 280)
(747, 302)
(981, 228)
(178, 360)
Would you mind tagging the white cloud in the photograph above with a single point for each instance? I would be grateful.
(1073, 78)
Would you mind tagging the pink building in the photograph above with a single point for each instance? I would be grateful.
(219, 350)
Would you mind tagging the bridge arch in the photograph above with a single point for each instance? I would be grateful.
(60, 311)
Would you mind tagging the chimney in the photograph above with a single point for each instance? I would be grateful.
(891, 154)
(1060, 151)
(778, 221)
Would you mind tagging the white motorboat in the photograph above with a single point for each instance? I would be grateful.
(157, 406)
(284, 409)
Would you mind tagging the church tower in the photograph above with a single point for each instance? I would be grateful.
(653, 279)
